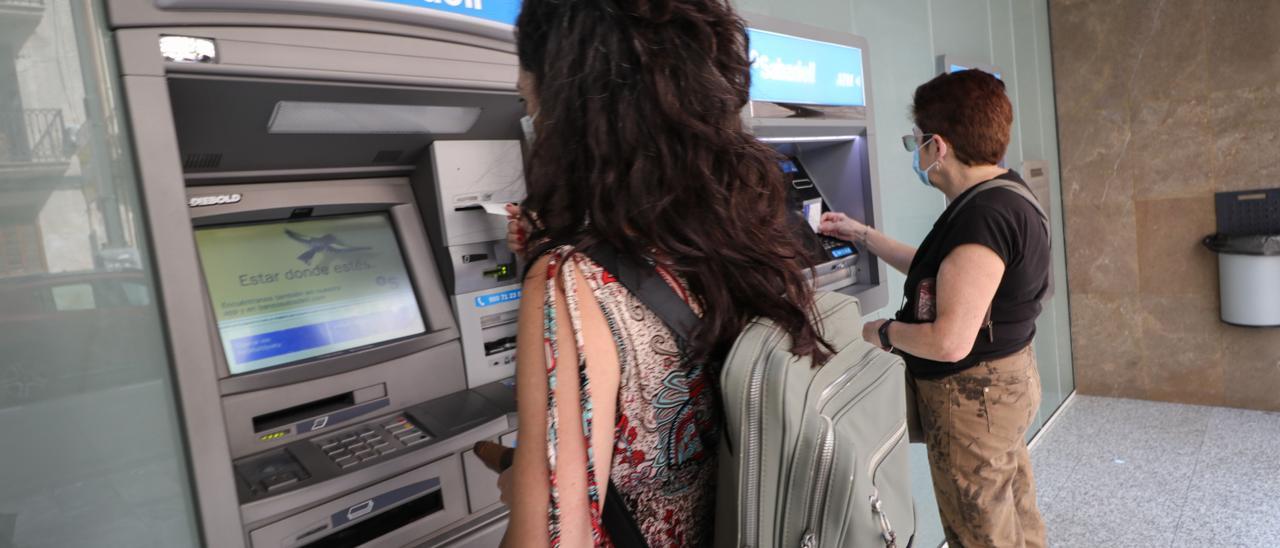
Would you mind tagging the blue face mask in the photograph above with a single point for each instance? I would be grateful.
(923, 174)
(526, 125)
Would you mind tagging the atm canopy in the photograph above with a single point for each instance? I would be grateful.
(491, 18)
(277, 102)
(231, 129)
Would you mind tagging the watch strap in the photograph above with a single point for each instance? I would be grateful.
(884, 334)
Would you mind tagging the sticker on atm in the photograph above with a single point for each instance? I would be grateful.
(497, 298)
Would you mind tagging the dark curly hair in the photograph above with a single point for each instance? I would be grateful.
(640, 143)
(971, 110)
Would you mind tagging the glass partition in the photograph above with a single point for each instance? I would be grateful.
(92, 448)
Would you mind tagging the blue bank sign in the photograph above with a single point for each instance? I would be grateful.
(498, 11)
(790, 69)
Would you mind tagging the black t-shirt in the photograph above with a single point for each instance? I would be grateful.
(1010, 226)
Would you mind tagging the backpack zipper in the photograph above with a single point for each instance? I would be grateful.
(751, 449)
(883, 451)
(844, 379)
(887, 533)
(821, 478)
(877, 506)
(826, 452)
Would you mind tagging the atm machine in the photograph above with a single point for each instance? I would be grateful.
(811, 101)
(339, 302)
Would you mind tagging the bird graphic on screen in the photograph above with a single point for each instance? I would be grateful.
(323, 244)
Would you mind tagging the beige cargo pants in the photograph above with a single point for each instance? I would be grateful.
(975, 425)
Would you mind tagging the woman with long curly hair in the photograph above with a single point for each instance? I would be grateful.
(638, 144)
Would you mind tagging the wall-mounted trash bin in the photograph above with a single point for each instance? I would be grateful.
(1249, 278)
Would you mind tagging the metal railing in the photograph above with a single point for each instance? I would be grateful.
(33, 135)
(22, 3)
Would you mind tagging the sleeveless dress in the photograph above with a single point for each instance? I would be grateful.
(664, 453)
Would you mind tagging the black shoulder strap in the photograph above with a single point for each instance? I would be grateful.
(1016, 188)
(1025, 193)
(618, 522)
(643, 281)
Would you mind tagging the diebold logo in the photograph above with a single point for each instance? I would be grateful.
(216, 199)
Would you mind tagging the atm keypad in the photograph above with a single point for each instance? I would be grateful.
(371, 441)
(406, 432)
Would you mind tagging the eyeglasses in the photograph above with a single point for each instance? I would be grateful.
(917, 139)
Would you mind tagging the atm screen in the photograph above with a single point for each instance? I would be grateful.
(288, 291)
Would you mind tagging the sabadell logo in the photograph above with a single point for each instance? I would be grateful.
(216, 199)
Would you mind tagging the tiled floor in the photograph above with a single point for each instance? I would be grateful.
(1115, 472)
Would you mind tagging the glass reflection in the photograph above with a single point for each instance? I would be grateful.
(92, 452)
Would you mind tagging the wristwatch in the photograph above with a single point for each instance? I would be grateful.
(884, 335)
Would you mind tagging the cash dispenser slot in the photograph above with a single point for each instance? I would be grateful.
(377, 526)
(408, 506)
(290, 415)
(320, 413)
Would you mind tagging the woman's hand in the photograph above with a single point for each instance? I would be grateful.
(871, 333)
(839, 225)
(517, 230)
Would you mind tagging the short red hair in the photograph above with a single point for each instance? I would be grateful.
(969, 109)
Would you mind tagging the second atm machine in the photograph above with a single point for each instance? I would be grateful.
(811, 101)
(339, 303)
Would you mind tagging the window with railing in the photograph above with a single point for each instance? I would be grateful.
(35, 135)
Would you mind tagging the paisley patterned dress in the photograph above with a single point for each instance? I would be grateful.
(666, 426)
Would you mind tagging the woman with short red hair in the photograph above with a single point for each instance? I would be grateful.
(973, 294)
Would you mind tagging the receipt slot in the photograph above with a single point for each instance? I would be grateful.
(811, 102)
(340, 307)
(464, 186)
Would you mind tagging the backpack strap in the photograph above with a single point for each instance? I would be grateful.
(618, 522)
(1025, 193)
(643, 281)
(1011, 186)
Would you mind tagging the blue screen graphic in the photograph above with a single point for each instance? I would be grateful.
(957, 68)
(498, 11)
(790, 69)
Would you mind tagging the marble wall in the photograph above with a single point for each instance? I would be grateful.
(1161, 103)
